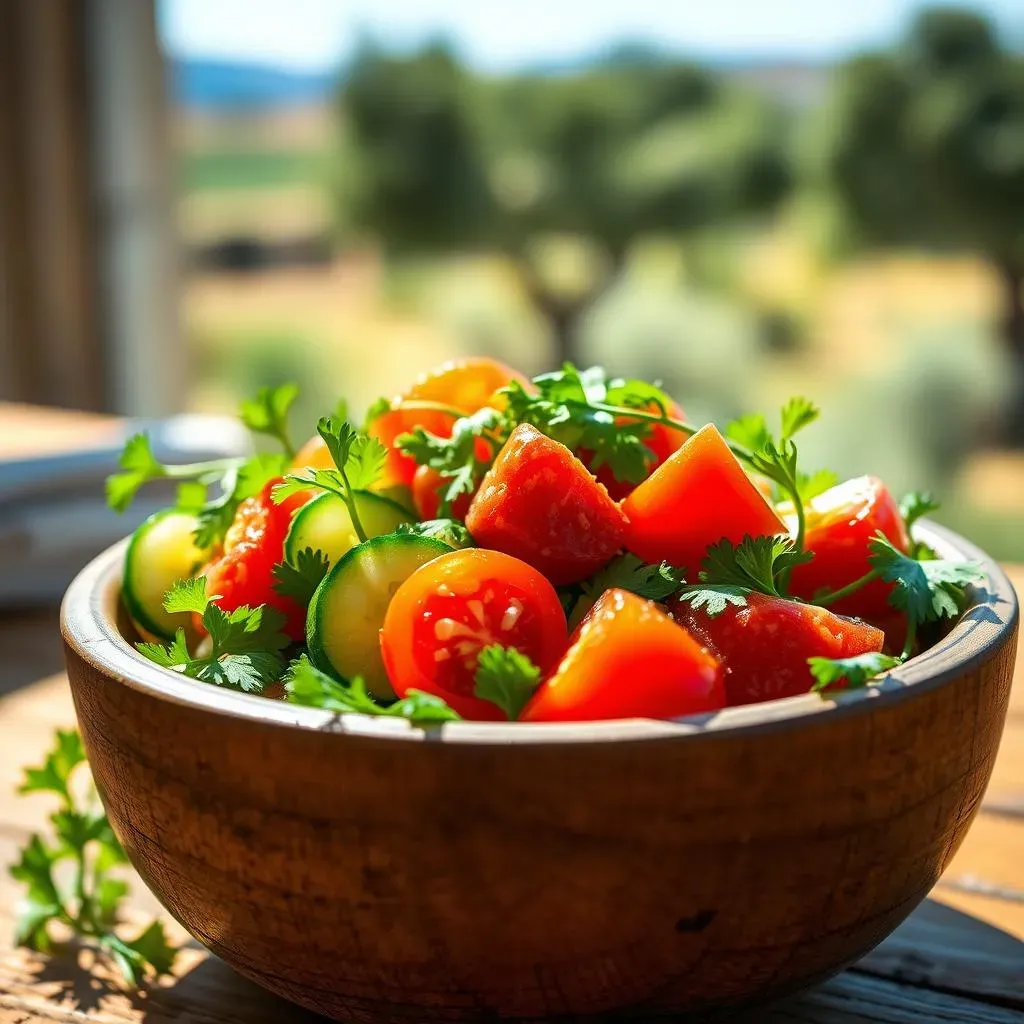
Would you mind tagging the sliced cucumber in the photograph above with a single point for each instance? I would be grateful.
(347, 610)
(325, 524)
(161, 552)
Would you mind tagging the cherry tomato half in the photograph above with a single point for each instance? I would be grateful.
(243, 573)
(450, 609)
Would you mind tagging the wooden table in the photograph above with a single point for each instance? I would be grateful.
(958, 960)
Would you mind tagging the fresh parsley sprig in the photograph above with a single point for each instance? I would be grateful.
(246, 644)
(267, 413)
(448, 531)
(507, 678)
(91, 905)
(305, 684)
(729, 572)
(299, 578)
(850, 673)
(626, 572)
(358, 459)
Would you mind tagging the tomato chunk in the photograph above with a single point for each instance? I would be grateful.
(243, 573)
(765, 645)
(662, 441)
(697, 497)
(450, 609)
(541, 504)
(628, 659)
(840, 525)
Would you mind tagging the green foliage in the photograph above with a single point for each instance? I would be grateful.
(91, 906)
(506, 678)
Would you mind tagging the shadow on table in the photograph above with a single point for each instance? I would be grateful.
(939, 959)
(30, 647)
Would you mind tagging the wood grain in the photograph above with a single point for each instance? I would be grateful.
(379, 880)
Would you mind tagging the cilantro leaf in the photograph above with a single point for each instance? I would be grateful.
(810, 485)
(267, 413)
(626, 572)
(917, 504)
(245, 654)
(756, 563)
(243, 480)
(376, 409)
(925, 590)
(187, 596)
(305, 684)
(796, 414)
(91, 908)
(139, 466)
(506, 678)
(851, 672)
(300, 579)
(750, 430)
(448, 531)
(714, 598)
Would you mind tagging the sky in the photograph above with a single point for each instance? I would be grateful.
(315, 35)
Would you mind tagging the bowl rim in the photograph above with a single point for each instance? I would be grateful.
(88, 622)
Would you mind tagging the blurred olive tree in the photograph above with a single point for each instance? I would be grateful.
(924, 146)
(437, 158)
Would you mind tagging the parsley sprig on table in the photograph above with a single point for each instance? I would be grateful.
(358, 463)
(84, 847)
(246, 644)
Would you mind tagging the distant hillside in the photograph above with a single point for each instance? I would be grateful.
(218, 85)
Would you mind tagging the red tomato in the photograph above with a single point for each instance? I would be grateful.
(450, 609)
(765, 645)
(541, 504)
(699, 496)
(628, 660)
(840, 524)
(662, 442)
(427, 487)
(243, 573)
(464, 384)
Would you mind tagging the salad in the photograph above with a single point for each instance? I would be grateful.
(490, 547)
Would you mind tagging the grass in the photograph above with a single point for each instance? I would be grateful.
(244, 169)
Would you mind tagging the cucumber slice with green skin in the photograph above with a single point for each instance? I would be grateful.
(324, 524)
(161, 552)
(347, 611)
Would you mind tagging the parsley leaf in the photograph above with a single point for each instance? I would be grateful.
(626, 572)
(796, 414)
(448, 531)
(139, 466)
(300, 579)
(243, 480)
(917, 504)
(85, 839)
(714, 598)
(810, 485)
(927, 590)
(756, 563)
(456, 457)
(851, 672)
(358, 460)
(267, 413)
(305, 684)
(377, 408)
(750, 430)
(507, 678)
(246, 643)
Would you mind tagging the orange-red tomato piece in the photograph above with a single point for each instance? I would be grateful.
(628, 659)
(450, 609)
(243, 573)
(539, 503)
(765, 645)
(697, 497)
(840, 525)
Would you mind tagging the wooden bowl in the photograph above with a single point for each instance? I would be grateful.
(480, 872)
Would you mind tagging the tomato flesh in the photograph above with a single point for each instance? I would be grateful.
(839, 527)
(697, 497)
(243, 573)
(661, 442)
(628, 659)
(450, 609)
(765, 645)
(539, 503)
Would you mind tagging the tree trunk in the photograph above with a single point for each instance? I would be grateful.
(1012, 273)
